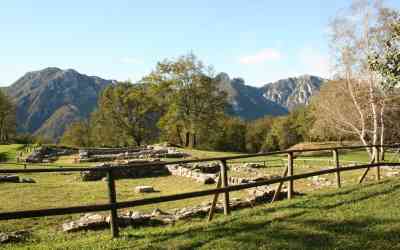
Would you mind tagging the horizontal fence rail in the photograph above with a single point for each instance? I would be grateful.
(113, 205)
(175, 197)
(226, 158)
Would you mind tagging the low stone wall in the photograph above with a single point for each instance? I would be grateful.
(207, 173)
(48, 154)
(133, 169)
(121, 154)
(185, 171)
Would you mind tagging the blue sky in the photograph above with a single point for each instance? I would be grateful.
(258, 40)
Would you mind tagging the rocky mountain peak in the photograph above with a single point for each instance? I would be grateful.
(48, 100)
(293, 91)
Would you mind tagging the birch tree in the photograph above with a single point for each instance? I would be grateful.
(355, 34)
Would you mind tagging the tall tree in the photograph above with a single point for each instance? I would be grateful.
(78, 134)
(130, 109)
(195, 102)
(7, 119)
(385, 61)
(355, 34)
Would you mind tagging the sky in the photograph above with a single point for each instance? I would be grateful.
(258, 40)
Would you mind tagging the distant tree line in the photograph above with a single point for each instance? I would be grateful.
(7, 119)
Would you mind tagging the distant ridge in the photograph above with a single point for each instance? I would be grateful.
(293, 91)
(48, 100)
(276, 98)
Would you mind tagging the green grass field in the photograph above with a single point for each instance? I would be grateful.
(355, 217)
(346, 211)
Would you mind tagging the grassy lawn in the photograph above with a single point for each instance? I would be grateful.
(355, 217)
(9, 151)
(301, 223)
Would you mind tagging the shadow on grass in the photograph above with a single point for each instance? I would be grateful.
(293, 226)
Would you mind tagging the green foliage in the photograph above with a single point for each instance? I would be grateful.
(256, 134)
(127, 115)
(78, 134)
(231, 136)
(289, 130)
(194, 101)
(387, 62)
(7, 119)
(131, 109)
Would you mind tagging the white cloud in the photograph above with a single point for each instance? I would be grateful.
(131, 60)
(264, 55)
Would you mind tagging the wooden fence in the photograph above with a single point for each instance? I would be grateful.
(222, 185)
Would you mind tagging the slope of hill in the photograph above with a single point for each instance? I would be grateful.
(294, 91)
(48, 100)
(246, 101)
(273, 99)
(354, 217)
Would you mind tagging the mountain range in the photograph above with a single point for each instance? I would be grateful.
(48, 100)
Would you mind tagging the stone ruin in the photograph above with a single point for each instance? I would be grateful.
(46, 154)
(204, 173)
(132, 169)
(207, 173)
(14, 237)
(92, 221)
(15, 179)
(112, 154)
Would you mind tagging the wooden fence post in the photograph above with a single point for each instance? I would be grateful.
(378, 168)
(336, 162)
(112, 199)
(290, 173)
(224, 179)
(215, 200)
(279, 188)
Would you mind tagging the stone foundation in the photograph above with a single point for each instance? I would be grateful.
(133, 169)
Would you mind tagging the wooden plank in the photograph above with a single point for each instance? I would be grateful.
(279, 188)
(78, 169)
(337, 165)
(215, 200)
(224, 178)
(174, 197)
(366, 172)
(290, 173)
(113, 200)
(377, 160)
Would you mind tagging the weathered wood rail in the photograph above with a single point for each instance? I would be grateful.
(222, 185)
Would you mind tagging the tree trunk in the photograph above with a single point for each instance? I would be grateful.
(382, 135)
(179, 132)
(187, 139)
(194, 140)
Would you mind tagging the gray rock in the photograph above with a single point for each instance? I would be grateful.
(9, 178)
(144, 189)
(87, 222)
(14, 237)
(27, 180)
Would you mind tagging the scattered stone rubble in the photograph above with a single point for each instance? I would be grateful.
(14, 237)
(320, 181)
(207, 173)
(194, 172)
(47, 154)
(159, 217)
(391, 171)
(112, 154)
(144, 189)
(15, 179)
